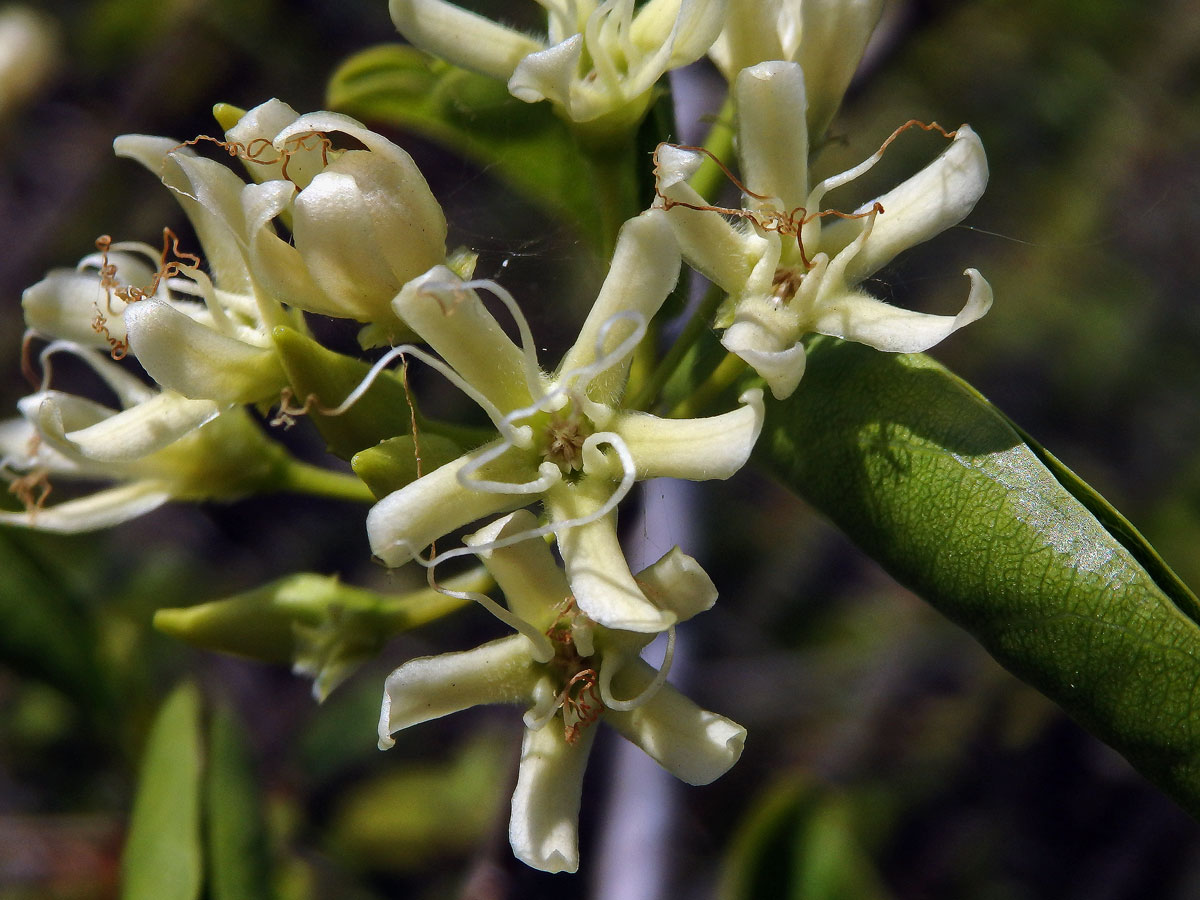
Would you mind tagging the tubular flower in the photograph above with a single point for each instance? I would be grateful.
(564, 440)
(597, 61)
(158, 447)
(796, 268)
(827, 38)
(363, 222)
(569, 672)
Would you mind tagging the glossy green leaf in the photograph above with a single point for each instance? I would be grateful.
(474, 116)
(381, 412)
(238, 862)
(939, 487)
(163, 857)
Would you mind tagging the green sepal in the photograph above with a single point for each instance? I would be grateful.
(381, 412)
(164, 853)
(525, 145)
(391, 464)
(939, 487)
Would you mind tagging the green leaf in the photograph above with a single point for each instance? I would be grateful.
(238, 862)
(48, 633)
(163, 853)
(800, 841)
(381, 412)
(523, 144)
(939, 487)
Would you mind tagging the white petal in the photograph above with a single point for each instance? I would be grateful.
(676, 582)
(434, 686)
(859, 317)
(695, 449)
(188, 357)
(125, 436)
(548, 75)
(723, 254)
(937, 197)
(534, 586)
(208, 193)
(833, 36)
(66, 302)
(256, 130)
(644, 269)
(544, 828)
(756, 30)
(597, 571)
(691, 743)
(462, 37)
(455, 323)
(781, 365)
(773, 137)
(407, 521)
(102, 509)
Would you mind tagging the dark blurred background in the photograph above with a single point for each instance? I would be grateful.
(888, 755)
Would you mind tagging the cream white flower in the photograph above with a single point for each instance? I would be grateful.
(564, 440)
(159, 446)
(569, 672)
(363, 222)
(599, 60)
(796, 268)
(827, 38)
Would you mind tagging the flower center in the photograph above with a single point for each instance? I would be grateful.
(785, 283)
(565, 434)
(579, 695)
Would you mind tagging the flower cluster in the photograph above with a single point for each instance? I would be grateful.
(336, 220)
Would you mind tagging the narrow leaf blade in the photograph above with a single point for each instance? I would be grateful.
(934, 483)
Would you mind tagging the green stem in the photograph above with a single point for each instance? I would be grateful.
(612, 169)
(708, 179)
(691, 332)
(305, 478)
(702, 400)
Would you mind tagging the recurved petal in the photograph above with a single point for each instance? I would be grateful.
(434, 686)
(781, 364)
(102, 509)
(121, 437)
(462, 37)
(644, 269)
(857, 316)
(695, 449)
(65, 304)
(196, 361)
(937, 197)
(773, 144)
(407, 521)
(693, 744)
(833, 36)
(544, 828)
(454, 322)
(677, 583)
(721, 253)
(597, 571)
(547, 74)
(533, 584)
(209, 194)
